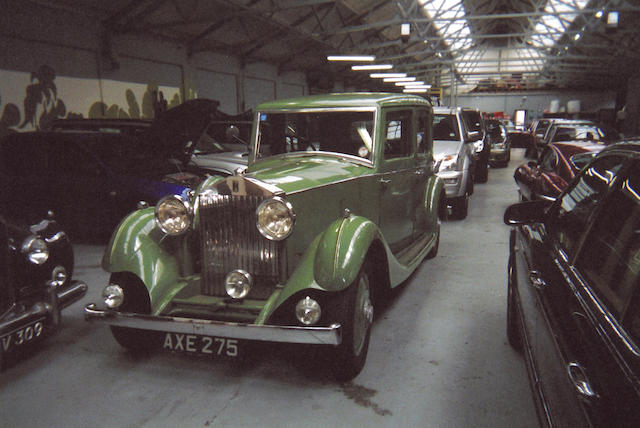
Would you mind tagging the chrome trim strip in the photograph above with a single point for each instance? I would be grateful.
(331, 335)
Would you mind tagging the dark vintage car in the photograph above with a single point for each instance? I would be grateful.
(339, 204)
(475, 126)
(90, 179)
(558, 165)
(574, 295)
(36, 269)
(500, 143)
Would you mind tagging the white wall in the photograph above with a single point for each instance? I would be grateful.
(81, 79)
(535, 102)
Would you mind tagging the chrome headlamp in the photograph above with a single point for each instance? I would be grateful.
(174, 214)
(448, 163)
(36, 250)
(478, 146)
(275, 218)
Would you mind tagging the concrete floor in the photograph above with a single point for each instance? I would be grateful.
(438, 357)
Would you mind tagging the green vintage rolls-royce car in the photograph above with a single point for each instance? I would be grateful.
(339, 204)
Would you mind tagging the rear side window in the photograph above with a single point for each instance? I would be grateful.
(579, 202)
(610, 258)
(398, 131)
(425, 139)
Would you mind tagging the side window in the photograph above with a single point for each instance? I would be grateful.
(610, 258)
(578, 203)
(549, 160)
(397, 134)
(424, 135)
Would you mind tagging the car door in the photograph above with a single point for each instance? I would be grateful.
(605, 309)
(557, 348)
(397, 177)
(423, 171)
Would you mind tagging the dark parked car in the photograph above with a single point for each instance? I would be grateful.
(500, 143)
(558, 165)
(574, 295)
(475, 126)
(90, 180)
(36, 268)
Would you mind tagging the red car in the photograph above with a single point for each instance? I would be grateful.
(558, 165)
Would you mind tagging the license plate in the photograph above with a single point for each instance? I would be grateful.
(202, 345)
(23, 335)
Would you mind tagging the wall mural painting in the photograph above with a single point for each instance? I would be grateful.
(153, 102)
(42, 104)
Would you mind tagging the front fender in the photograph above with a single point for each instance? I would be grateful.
(341, 251)
(139, 247)
(435, 188)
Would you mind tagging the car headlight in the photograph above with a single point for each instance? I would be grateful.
(448, 163)
(275, 218)
(174, 214)
(308, 311)
(113, 296)
(478, 146)
(36, 250)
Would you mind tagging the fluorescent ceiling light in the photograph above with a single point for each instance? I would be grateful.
(351, 58)
(415, 90)
(372, 67)
(417, 82)
(398, 79)
(385, 75)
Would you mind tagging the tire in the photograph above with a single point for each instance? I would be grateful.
(482, 174)
(513, 332)
(136, 301)
(349, 357)
(470, 186)
(460, 207)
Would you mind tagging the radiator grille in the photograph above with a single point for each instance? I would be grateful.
(230, 240)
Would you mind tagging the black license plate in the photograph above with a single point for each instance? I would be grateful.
(201, 345)
(23, 335)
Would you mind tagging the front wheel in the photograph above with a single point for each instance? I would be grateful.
(513, 333)
(349, 357)
(460, 207)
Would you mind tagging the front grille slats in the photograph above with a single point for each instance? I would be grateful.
(230, 240)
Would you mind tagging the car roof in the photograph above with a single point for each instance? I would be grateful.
(345, 100)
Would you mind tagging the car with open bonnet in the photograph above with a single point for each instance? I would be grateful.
(339, 204)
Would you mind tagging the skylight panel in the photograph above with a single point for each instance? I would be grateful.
(448, 18)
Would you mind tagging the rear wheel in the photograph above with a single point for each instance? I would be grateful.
(349, 357)
(136, 300)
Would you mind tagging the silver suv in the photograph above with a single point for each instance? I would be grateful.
(454, 157)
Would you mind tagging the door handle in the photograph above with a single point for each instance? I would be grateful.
(536, 280)
(580, 381)
(385, 181)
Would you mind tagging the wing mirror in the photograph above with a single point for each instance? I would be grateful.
(527, 212)
(473, 136)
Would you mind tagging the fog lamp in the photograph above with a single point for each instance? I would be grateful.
(308, 311)
(36, 250)
(238, 283)
(59, 275)
(113, 296)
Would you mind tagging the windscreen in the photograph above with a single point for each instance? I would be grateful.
(445, 127)
(342, 132)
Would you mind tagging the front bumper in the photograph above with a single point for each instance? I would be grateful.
(331, 335)
(454, 182)
(50, 309)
